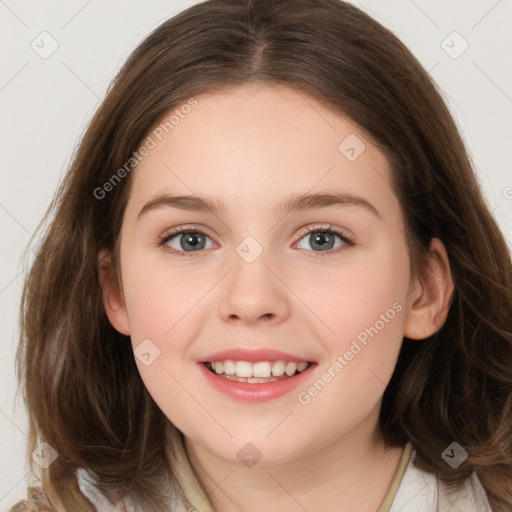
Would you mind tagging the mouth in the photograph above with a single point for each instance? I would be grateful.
(256, 372)
(255, 381)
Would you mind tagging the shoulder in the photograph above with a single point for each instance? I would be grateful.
(21, 506)
(38, 502)
(101, 503)
(421, 491)
(86, 481)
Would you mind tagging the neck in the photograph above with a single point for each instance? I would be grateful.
(353, 473)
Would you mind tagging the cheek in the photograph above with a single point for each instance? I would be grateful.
(361, 305)
(160, 307)
(365, 309)
(354, 295)
(158, 300)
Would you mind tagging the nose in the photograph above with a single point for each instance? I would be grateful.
(254, 292)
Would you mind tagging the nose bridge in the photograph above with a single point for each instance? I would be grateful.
(252, 290)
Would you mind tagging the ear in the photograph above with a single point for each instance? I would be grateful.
(430, 295)
(113, 299)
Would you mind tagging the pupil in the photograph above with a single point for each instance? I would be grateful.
(323, 240)
(192, 240)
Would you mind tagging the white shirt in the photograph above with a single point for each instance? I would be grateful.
(421, 491)
(418, 491)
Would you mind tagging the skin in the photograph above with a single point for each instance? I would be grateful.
(251, 147)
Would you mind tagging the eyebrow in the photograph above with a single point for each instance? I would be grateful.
(294, 203)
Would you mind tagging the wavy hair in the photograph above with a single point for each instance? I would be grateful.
(80, 383)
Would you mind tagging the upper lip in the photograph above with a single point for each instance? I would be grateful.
(252, 355)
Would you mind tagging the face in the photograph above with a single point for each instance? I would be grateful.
(267, 282)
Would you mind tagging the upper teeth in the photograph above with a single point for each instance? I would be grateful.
(260, 369)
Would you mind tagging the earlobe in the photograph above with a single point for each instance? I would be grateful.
(113, 300)
(430, 295)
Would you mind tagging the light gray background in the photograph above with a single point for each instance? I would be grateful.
(46, 103)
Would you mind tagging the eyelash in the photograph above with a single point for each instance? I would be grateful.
(347, 239)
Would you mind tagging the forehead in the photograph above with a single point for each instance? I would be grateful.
(260, 142)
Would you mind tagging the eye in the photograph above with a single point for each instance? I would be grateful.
(323, 240)
(185, 241)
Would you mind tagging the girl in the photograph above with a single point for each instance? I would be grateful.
(270, 281)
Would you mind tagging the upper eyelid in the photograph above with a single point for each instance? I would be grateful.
(184, 229)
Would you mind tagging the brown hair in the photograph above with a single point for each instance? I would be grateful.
(81, 385)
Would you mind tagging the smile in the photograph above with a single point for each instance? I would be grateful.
(240, 380)
(256, 372)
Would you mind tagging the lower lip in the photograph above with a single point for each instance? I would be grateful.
(257, 392)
